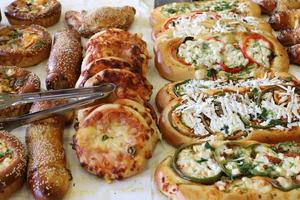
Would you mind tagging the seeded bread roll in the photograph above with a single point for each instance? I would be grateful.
(48, 177)
(64, 61)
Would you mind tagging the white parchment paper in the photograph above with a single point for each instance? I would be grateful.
(85, 186)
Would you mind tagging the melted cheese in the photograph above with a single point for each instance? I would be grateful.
(260, 52)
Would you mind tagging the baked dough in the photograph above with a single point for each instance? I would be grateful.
(188, 87)
(117, 43)
(254, 188)
(224, 114)
(24, 46)
(199, 23)
(115, 141)
(241, 7)
(175, 59)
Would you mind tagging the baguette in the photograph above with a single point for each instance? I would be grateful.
(160, 14)
(182, 177)
(47, 176)
(64, 61)
(204, 56)
(211, 116)
(44, 13)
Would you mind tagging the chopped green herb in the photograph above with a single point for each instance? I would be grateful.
(201, 160)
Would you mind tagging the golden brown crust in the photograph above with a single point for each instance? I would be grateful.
(126, 81)
(172, 69)
(176, 188)
(65, 60)
(12, 176)
(100, 142)
(158, 17)
(285, 19)
(47, 176)
(18, 81)
(87, 24)
(20, 12)
(24, 46)
(105, 63)
(117, 43)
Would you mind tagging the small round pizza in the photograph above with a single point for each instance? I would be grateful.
(268, 113)
(27, 12)
(115, 141)
(240, 7)
(13, 163)
(231, 170)
(199, 23)
(14, 80)
(24, 46)
(126, 81)
(195, 86)
(220, 55)
(105, 63)
(117, 43)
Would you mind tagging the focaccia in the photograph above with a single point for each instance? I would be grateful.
(231, 171)
(221, 55)
(192, 86)
(199, 23)
(265, 113)
(241, 7)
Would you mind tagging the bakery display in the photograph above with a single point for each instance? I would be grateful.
(24, 46)
(89, 23)
(241, 7)
(231, 170)
(263, 113)
(194, 86)
(27, 12)
(199, 23)
(47, 174)
(115, 140)
(12, 165)
(65, 60)
(222, 55)
(17, 81)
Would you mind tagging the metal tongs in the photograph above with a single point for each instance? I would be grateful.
(83, 96)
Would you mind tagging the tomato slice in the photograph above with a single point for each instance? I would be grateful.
(245, 45)
(230, 70)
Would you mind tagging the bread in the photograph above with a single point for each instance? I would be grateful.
(199, 23)
(193, 86)
(87, 24)
(285, 19)
(17, 81)
(41, 12)
(65, 60)
(47, 176)
(24, 46)
(12, 165)
(225, 114)
(294, 54)
(177, 187)
(117, 43)
(115, 140)
(175, 59)
(106, 63)
(160, 14)
(271, 6)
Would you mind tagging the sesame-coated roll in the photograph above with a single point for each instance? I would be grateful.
(64, 61)
(48, 177)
